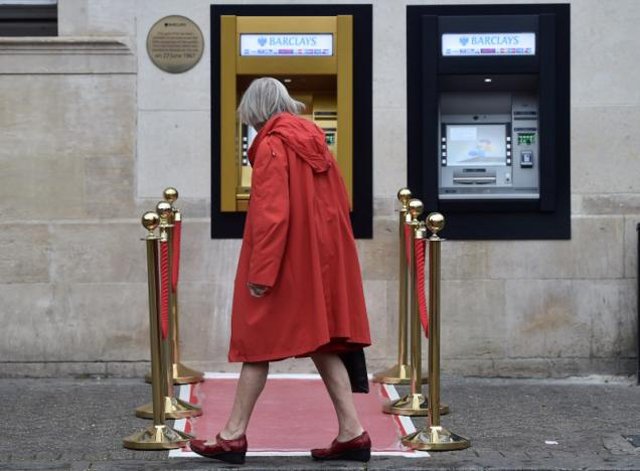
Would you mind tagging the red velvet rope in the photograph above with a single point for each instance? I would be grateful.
(175, 267)
(422, 297)
(164, 288)
(407, 242)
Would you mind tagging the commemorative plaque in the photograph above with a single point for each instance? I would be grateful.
(175, 44)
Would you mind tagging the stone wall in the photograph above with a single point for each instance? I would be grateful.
(93, 132)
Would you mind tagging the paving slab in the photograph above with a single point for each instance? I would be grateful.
(78, 424)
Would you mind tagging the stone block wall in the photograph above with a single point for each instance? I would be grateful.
(93, 132)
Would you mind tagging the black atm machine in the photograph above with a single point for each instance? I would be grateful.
(488, 114)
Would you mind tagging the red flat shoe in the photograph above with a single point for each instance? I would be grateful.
(357, 449)
(229, 451)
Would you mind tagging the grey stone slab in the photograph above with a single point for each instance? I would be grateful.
(617, 203)
(90, 54)
(174, 149)
(379, 256)
(597, 52)
(591, 172)
(389, 151)
(594, 251)
(40, 186)
(382, 337)
(72, 115)
(631, 245)
(553, 318)
(463, 260)
(24, 257)
(114, 319)
(109, 187)
(578, 319)
(614, 332)
(389, 59)
(25, 324)
(205, 260)
(76, 323)
(98, 252)
(386, 206)
(473, 319)
(205, 320)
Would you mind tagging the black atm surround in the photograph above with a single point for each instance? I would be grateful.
(230, 225)
(548, 71)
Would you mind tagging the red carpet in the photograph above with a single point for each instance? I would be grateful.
(293, 415)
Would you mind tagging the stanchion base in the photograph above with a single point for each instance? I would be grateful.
(411, 405)
(182, 375)
(435, 438)
(174, 408)
(397, 374)
(156, 437)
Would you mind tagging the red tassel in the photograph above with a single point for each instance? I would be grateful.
(164, 289)
(420, 282)
(175, 267)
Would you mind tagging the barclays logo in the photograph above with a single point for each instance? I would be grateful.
(262, 41)
(464, 40)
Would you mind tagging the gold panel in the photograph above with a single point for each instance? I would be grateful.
(345, 100)
(323, 84)
(228, 164)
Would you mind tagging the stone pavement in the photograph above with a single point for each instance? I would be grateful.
(78, 424)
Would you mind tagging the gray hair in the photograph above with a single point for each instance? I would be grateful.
(265, 97)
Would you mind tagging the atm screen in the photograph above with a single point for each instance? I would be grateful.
(476, 145)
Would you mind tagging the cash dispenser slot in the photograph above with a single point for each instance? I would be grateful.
(474, 177)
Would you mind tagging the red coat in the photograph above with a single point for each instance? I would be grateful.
(298, 241)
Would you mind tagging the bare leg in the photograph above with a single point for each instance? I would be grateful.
(336, 379)
(250, 384)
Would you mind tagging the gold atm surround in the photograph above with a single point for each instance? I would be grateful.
(324, 84)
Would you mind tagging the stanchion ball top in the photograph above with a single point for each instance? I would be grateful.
(163, 208)
(415, 208)
(150, 220)
(404, 195)
(170, 194)
(435, 222)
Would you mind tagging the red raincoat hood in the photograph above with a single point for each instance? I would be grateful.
(300, 135)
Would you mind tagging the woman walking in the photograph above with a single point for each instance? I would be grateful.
(298, 288)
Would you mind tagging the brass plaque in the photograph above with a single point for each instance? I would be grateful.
(175, 44)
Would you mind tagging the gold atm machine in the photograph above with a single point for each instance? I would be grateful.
(313, 56)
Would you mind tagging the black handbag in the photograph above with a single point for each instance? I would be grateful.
(356, 366)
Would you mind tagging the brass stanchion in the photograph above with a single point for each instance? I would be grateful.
(181, 373)
(414, 403)
(158, 436)
(435, 437)
(399, 373)
(174, 408)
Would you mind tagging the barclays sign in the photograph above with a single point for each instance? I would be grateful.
(489, 44)
(286, 45)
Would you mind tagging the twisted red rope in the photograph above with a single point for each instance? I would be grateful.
(422, 297)
(175, 267)
(164, 289)
(407, 242)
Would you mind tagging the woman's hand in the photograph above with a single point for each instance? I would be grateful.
(257, 291)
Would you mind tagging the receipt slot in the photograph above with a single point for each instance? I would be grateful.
(488, 140)
(313, 51)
